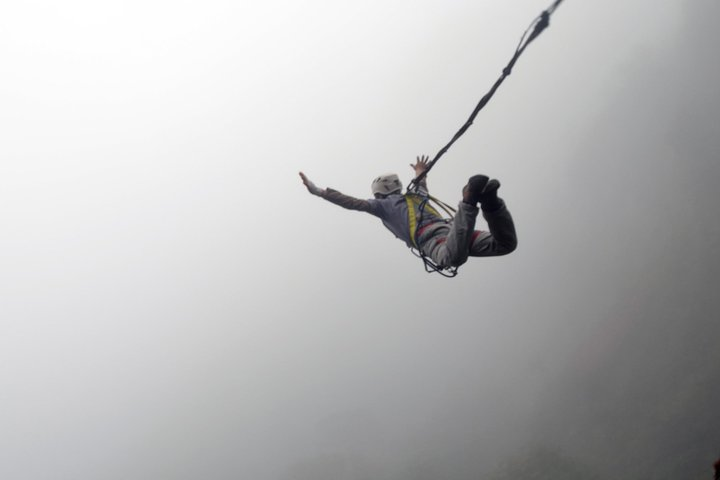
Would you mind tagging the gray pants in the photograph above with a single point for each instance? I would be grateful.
(450, 245)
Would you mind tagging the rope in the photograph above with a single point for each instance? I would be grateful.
(537, 26)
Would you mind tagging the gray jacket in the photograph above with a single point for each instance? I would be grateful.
(392, 210)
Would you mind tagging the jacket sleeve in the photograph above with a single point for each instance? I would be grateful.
(346, 201)
(421, 187)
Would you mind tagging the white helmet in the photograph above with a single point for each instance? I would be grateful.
(386, 184)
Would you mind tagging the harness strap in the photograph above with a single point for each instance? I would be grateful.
(412, 219)
(427, 226)
(416, 204)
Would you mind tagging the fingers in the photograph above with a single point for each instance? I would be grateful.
(421, 161)
(311, 187)
(306, 181)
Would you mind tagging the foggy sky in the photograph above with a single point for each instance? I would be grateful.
(175, 305)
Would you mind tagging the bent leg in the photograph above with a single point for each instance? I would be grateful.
(451, 248)
(500, 240)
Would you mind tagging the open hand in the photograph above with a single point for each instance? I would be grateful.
(421, 165)
(311, 186)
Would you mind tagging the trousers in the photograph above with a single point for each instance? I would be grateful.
(450, 244)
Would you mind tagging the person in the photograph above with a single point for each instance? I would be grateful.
(448, 243)
(716, 466)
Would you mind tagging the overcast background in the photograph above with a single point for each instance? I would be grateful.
(176, 306)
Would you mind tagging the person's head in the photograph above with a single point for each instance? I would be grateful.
(385, 185)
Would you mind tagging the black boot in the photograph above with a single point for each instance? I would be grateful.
(489, 201)
(474, 188)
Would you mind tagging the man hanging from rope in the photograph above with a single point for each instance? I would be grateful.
(447, 242)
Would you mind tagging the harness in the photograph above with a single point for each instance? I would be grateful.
(417, 204)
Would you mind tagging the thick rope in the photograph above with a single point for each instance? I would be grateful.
(540, 23)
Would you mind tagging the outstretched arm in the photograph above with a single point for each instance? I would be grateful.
(333, 196)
